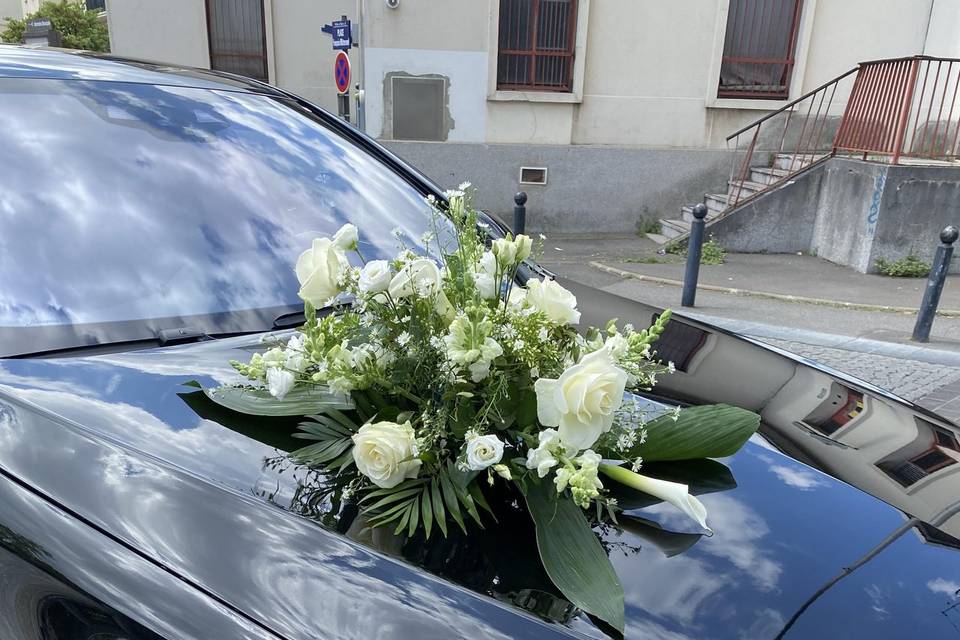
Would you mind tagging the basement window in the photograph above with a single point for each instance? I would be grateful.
(533, 175)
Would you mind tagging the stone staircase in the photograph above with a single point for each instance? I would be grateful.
(761, 179)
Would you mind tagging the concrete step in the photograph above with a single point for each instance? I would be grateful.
(745, 188)
(673, 228)
(716, 201)
(658, 238)
(767, 175)
(795, 162)
(686, 213)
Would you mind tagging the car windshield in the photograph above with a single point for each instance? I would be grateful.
(129, 208)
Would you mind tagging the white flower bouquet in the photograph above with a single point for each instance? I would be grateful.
(427, 379)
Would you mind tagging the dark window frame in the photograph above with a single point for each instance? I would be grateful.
(534, 55)
(750, 41)
(263, 34)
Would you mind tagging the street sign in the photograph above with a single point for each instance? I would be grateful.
(342, 38)
(341, 72)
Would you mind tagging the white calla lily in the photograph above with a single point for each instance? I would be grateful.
(673, 492)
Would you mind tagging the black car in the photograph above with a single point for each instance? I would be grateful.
(149, 216)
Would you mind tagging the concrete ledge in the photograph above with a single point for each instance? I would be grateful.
(784, 297)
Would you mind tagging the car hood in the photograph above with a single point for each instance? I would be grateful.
(123, 442)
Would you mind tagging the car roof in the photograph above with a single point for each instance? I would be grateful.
(18, 61)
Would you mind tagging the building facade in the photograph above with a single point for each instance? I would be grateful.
(16, 9)
(608, 112)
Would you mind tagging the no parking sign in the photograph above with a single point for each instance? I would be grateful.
(341, 72)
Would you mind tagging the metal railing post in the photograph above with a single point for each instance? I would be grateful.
(694, 250)
(901, 130)
(935, 281)
(520, 213)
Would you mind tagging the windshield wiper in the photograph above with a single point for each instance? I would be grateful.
(295, 319)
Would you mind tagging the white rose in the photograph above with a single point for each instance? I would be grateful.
(524, 246)
(483, 451)
(346, 237)
(582, 402)
(279, 382)
(558, 304)
(319, 269)
(374, 277)
(386, 453)
(420, 276)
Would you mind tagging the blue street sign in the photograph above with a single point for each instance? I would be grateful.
(341, 35)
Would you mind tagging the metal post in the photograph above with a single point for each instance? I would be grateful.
(694, 249)
(938, 275)
(520, 213)
(361, 119)
(343, 106)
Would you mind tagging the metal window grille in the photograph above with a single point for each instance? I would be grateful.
(758, 48)
(238, 40)
(536, 43)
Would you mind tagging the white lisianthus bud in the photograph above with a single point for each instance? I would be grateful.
(483, 451)
(318, 270)
(582, 402)
(279, 382)
(503, 471)
(421, 277)
(505, 251)
(386, 453)
(558, 304)
(346, 237)
(524, 246)
(374, 277)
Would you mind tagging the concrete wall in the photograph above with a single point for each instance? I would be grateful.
(645, 75)
(16, 9)
(781, 221)
(589, 189)
(849, 212)
(171, 31)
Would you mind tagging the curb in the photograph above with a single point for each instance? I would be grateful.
(783, 297)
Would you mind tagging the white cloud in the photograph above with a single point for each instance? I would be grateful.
(798, 477)
(944, 586)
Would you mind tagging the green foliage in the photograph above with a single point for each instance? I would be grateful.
(910, 266)
(646, 260)
(711, 252)
(708, 431)
(256, 401)
(572, 554)
(645, 226)
(78, 28)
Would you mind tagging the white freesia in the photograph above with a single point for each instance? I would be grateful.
(420, 276)
(374, 277)
(583, 400)
(558, 304)
(483, 451)
(296, 357)
(346, 237)
(279, 382)
(386, 453)
(544, 457)
(617, 345)
(486, 276)
(673, 492)
(319, 270)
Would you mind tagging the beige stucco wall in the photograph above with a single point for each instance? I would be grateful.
(171, 31)
(16, 9)
(648, 68)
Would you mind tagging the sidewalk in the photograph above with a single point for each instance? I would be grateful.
(856, 323)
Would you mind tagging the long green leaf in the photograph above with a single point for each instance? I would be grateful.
(708, 431)
(451, 499)
(440, 514)
(572, 555)
(301, 401)
(427, 514)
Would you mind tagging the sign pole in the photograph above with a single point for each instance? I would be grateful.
(341, 77)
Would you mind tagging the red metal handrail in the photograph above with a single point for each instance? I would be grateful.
(897, 108)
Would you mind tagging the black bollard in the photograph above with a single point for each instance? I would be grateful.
(520, 213)
(938, 275)
(694, 249)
